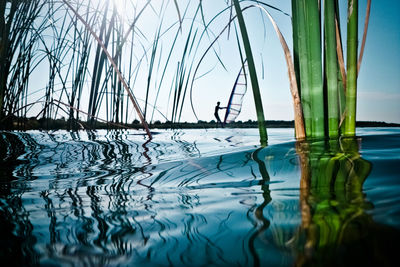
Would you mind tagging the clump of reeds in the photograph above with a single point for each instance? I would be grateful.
(317, 75)
(18, 51)
(322, 78)
(89, 46)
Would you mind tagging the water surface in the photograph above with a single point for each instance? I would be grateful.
(198, 198)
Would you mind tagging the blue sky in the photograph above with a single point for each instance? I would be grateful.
(379, 77)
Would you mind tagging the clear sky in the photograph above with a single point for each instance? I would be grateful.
(378, 83)
(379, 77)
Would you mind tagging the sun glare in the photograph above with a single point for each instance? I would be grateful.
(124, 7)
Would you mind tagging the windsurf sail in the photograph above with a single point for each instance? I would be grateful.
(236, 98)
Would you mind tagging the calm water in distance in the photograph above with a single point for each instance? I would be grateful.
(198, 198)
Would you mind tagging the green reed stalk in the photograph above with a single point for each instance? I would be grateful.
(331, 68)
(342, 101)
(253, 75)
(351, 92)
(295, 28)
(315, 67)
(301, 50)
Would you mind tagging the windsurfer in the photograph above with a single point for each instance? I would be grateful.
(217, 108)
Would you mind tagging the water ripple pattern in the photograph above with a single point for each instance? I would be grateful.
(187, 198)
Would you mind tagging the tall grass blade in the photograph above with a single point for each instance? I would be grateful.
(179, 14)
(230, 18)
(271, 7)
(342, 76)
(253, 75)
(339, 51)
(366, 23)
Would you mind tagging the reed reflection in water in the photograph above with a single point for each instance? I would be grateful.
(336, 229)
(83, 198)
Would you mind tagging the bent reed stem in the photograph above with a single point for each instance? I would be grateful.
(298, 111)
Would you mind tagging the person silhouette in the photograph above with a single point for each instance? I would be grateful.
(217, 108)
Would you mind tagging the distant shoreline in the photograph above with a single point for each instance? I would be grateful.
(62, 124)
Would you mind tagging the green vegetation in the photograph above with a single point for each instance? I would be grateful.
(352, 45)
(18, 56)
(253, 74)
(331, 66)
(22, 123)
(95, 55)
(325, 92)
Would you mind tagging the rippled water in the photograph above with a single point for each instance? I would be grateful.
(198, 198)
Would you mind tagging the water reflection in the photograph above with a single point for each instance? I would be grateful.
(81, 198)
(336, 228)
(15, 228)
(262, 223)
(84, 198)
